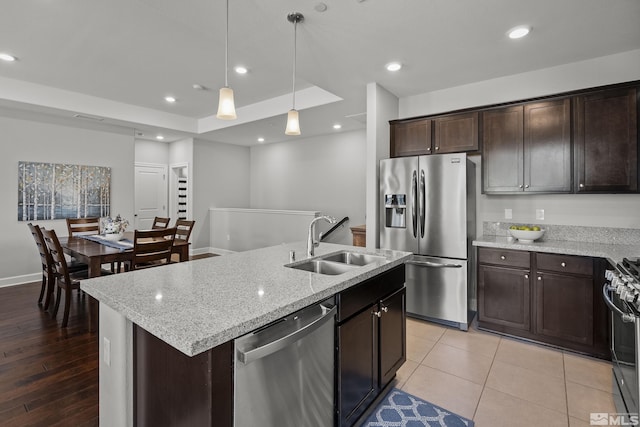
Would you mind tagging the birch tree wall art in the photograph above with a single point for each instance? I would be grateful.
(56, 191)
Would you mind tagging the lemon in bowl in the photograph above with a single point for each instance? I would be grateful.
(526, 233)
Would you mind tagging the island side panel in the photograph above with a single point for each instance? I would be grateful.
(173, 389)
(115, 365)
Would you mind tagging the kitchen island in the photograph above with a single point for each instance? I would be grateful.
(196, 309)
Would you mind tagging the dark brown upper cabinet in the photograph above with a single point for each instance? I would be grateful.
(527, 148)
(452, 133)
(455, 133)
(411, 138)
(606, 141)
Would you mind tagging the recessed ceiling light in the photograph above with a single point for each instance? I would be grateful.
(196, 86)
(261, 139)
(393, 66)
(519, 31)
(337, 126)
(241, 70)
(170, 99)
(7, 57)
(159, 137)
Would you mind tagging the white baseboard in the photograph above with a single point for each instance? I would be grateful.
(220, 251)
(20, 280)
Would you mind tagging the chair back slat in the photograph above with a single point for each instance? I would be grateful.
(159, 222)
(83, 226)
(152, 247)
(183, 229)
(59, 262)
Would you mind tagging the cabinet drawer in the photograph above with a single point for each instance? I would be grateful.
(504, 257)
(369, 292)
(565, 264)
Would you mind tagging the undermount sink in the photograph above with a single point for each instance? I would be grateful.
(337, 263)
(324, 267)
(353, 258)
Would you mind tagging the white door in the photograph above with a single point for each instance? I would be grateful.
(150, 194)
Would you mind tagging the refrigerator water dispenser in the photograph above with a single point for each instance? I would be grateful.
(395, 210)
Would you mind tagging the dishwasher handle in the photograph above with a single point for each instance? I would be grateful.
(247, 357)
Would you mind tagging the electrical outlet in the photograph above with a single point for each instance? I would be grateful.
(228, 237)
(540, 214)
(106, 351)
(508, 213)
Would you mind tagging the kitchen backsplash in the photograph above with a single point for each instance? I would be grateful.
(574, 233)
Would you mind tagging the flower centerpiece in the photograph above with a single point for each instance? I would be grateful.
(113, 229)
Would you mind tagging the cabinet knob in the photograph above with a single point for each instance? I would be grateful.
(526, 186)
(428, 148)
(581, 185)
(563, 264)
(385, 309)
(437, 148)
(539, 277)
(526, 276)
(502, 257)
(377, 313)
(520, 186)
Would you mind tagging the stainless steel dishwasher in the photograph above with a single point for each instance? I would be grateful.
(284, 372)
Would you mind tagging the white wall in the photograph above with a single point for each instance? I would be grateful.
(325, 174)
(151, 152)
(220, 180)
(611, 210)
(24, 140)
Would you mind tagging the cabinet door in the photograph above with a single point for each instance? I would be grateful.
(456, 133)
(606, 141)
(502, 150)
(504, 297)
(411, 138)
(547, 146)
(564, 307)
(357, 364)
(393, 350)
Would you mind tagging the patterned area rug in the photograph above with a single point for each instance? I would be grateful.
(400, 409)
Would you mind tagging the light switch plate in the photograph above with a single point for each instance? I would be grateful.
(540, 214)
(508, 213)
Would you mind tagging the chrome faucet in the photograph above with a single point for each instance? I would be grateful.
(311, 243)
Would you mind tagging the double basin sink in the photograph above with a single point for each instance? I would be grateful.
(337, 263)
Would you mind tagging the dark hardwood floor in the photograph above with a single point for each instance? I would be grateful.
(48, 375)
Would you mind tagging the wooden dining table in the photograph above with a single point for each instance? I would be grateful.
(95, 254)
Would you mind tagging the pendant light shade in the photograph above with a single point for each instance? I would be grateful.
(226, 105)
(293, 122)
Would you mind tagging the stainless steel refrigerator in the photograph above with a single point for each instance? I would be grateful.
(427, 206)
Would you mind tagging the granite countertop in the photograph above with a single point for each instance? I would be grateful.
(197, 305)
(612, 252)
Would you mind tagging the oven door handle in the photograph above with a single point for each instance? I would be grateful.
(626, 318)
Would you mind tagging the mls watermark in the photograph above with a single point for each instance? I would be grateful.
(619, 419)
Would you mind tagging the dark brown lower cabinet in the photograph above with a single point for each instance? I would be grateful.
(371, 342)
(556, 301)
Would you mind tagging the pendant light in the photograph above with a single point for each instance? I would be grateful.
(226, 106)
(293, 122)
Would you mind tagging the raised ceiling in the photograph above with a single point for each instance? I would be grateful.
(118, 59)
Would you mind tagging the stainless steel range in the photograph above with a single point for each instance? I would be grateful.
(622, 295)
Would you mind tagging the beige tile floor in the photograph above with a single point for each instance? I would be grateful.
(498, 381)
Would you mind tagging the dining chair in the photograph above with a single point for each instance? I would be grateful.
(83, 226)
(48, 279)
(159, 222)
(152, 248)
(63, 278)
(183, 232)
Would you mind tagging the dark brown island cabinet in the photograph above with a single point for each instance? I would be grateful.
(172, 389)
(451, 133)
(550, 298)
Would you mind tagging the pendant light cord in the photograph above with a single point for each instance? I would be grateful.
(295, 32)
(226, 49)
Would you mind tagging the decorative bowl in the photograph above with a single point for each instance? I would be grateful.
(114, 237)
(526, 236)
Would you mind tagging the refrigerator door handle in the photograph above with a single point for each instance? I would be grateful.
(433, 264)
(414, 205)
(422, 204)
